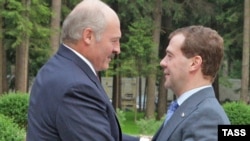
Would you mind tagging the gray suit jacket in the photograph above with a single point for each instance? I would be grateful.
(68, 103)
(197, 119)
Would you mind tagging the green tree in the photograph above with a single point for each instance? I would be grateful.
(24, 38)
(157, 17)
(2, 75)
(24, 27)
(138, 49)
(132, 15)
(228, 21)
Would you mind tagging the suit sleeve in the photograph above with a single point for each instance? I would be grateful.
(203, 125)
(126, 137)
(83, 115)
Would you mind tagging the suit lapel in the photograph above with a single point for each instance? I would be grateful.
(182, 112)
(66, 53)
(174, 122)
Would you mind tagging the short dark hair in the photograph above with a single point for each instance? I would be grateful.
(205, 42)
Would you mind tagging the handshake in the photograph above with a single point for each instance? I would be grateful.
(145, 138)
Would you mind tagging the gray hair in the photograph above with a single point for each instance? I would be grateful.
(87, 14)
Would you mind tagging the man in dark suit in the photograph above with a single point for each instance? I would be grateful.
(67, 100)
(191, 63)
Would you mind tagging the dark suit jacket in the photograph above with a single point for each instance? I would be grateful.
(68, 103)
(197, 119)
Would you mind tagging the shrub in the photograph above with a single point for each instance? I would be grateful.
(237, 112)
(121, 116)
(9, 131)
(149, 126)
(15, 106)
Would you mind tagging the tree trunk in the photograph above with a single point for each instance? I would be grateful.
(157, 13)
(245, 54)
(116, 92)
(21, 69)
(1, 55)
(162, 99)
(140, 94)
(22, 55)
(55, 25)
(3, 64)
(216, 88)
(150, 108)
(5, 87)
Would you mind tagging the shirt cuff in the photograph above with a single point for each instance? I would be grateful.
(145, 138)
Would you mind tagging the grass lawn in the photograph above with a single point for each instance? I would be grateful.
(135, 124)
(129, 126)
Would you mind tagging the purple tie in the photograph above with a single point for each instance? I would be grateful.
(173, 106)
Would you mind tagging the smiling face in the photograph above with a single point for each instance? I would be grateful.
(93, 30)
(175, 65)
(102, 51)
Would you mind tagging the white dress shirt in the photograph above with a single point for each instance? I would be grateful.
(83, 58)
(189, 93)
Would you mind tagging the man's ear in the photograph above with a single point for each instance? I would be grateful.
(87, 35)
(196, 62)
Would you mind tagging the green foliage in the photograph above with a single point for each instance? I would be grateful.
(67, 6)
(229, 20)
(15, 17)
(14, 106)
(27, 21)
(9, 130)
(133, 9)
(39, 54)
(121, 116)
(184, 13)
(138, 49)
(149, 126)
(236, 71)
(40, 14)
(137, 41)
(129, 125)
(225, 82)
(237, 112)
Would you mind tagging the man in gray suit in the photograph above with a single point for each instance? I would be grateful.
(193, 58)
(67, 101)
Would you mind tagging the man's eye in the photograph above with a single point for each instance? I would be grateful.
(168, 55)
(114, 41)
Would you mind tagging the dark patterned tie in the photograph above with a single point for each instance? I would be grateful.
(173, 106)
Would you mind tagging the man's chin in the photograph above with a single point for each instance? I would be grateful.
(105, 67)
(166, 85)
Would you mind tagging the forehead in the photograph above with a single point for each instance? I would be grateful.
(113, 28)
(175, 42)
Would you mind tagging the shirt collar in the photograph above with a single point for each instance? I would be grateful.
(189, 93)
(83, 58)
